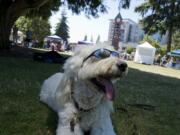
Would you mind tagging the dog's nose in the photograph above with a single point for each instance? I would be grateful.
(122, 65)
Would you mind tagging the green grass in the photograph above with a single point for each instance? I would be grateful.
(146, 103)
(21, 113)
(169, 72)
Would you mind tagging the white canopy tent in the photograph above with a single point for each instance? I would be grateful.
(145, 53)
(53, 38)
(82, 44)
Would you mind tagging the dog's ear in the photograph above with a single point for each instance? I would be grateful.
(72, 66)
(64, 90)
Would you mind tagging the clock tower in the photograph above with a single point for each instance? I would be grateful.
(116, 32)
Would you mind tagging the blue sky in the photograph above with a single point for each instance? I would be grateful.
(80, 25)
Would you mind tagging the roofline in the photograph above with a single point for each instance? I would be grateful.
(128, 19)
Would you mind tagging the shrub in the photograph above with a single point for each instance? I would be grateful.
(129, 50)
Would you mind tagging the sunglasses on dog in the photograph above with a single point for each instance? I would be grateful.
(102, 53)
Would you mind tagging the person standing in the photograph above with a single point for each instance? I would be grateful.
(28, 37)
(15, 34)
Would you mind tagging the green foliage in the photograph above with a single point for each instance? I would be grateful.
(39, 26)
(11, 10)
(176, 40)
(159, 49)
(23, 23)
(62, 29)
(162, 50)
(156, 44)
(160, 16)
(90, 8)
(44, 10)
(129, 49)
(153, 42)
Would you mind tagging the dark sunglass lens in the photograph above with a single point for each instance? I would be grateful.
(97, 54)
(102, 53)
(106, 53)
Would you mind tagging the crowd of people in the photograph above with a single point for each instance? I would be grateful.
(54, 45)
(170, 61)
(165, 61)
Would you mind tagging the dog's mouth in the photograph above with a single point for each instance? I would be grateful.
(105, 84)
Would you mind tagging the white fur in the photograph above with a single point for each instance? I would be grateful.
(57, 91)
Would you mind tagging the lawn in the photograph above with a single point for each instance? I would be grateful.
(146, 103)
(41, 50)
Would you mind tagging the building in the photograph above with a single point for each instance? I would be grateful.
(131, 34)
(129, 31)
(116, 31)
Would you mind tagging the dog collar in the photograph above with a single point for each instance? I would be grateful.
(74, 101)
(81, 109)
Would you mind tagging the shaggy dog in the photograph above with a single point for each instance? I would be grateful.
(82, 96)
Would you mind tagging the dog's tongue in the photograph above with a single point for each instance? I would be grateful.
(109, 90)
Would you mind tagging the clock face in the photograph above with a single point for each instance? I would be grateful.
(118, 20)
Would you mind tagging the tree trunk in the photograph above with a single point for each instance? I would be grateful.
(170, 30)
(5, 30)
(171, 25)
(9, 12)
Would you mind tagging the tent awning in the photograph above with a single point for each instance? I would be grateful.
(145, 53)
(85, 42)
(175, 53)
(146, 45)
(53, 37)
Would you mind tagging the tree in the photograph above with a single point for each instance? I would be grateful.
(98, 39)
(91, 38)
(23, 23)
(85, 38)
(160, 16)
(150, 40)
(62, 29)
(129, 49)
(153, 42)
(15, 34)
(176, 40)
(11, 10)
(40, 27)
